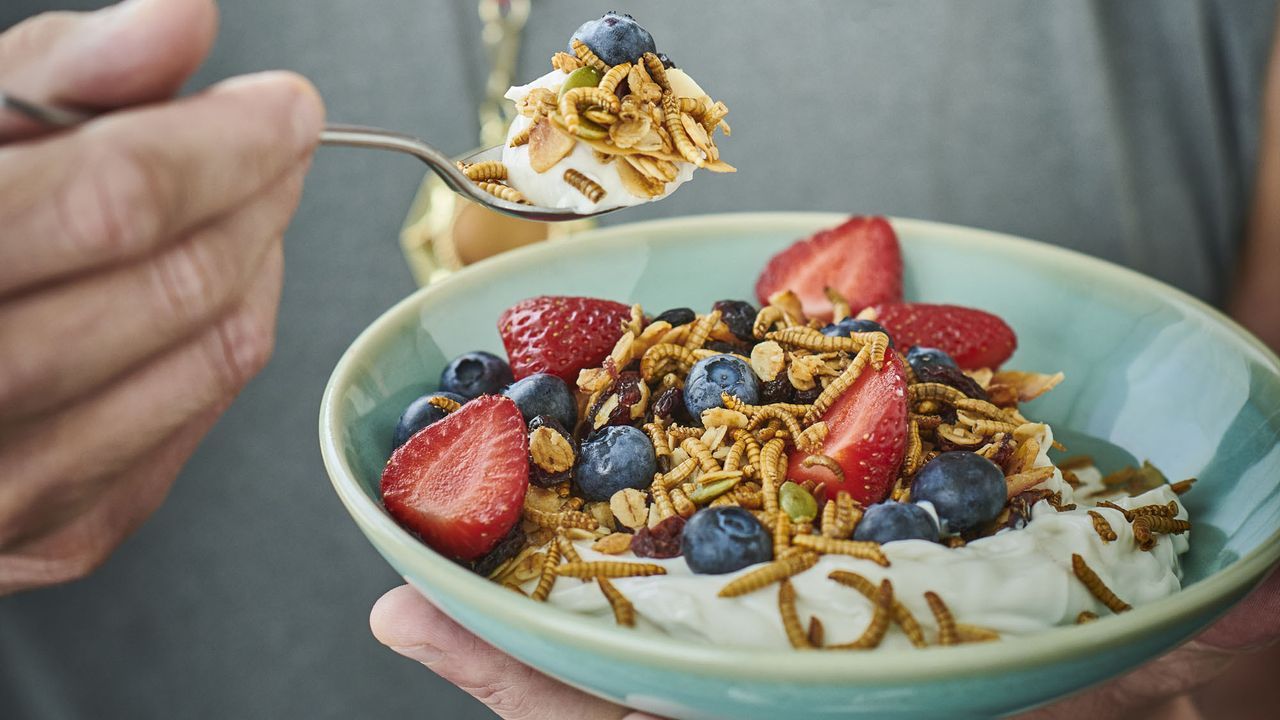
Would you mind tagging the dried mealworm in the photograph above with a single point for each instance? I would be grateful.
(614, 77)
(624, 613)
(831, 465)
(828, 523)
(585, 185)
(1095, 585)
(957, 435)
(982, 425)
(915, 450)
(1145, 527)
(653, 65)
(813, 436)
(609, 569)
(816, 634)
(1021, 482)
(975, 633)
(985, 409)
(548, 577)
(839, 305)
(1102, 527)
(658, 436)
(1182, 486)
(587, 57)
(806, 338)
(443, 403)
(848, 513)
(737, 450)
(661, 500)
(655, 361)
(681, 503)
(769, 457)
(947, 634)
(879, 625)
(677, 474)
(934, 391)
(502, 192)
(781, 533)
(863, 550)
(574, 101)
(732, 402)
(520, 138)
(790, 620)
(1085, 616)
(562, 519)
(838, 387)
(487, 170)
(679, 134)
(768, 317)
(901, 614)
(788, 420)
(784, 567)
(752, 446)
(696, 449)
(702, 330)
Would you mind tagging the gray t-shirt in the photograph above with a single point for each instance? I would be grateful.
(1127, 130)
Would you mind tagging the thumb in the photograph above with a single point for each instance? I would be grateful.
(405, 622)
(135, 52)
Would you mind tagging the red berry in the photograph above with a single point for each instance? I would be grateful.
(560, 335)
(460, 482)
(973, 338)
(866, 436)
(860, 258)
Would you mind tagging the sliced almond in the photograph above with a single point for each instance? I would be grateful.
(637, 183)
(767, 360)
(614, 544)
(630, 508)
(548, 145)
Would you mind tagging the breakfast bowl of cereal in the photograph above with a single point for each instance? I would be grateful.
(807, 465)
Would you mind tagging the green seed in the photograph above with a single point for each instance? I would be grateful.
(706, 493)
(797, 503)
(582, 77)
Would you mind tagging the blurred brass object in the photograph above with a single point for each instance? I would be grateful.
(444, 232)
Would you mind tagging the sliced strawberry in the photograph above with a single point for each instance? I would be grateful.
(560, 335)
(860, 258)
(460, 482)
(866, 436)
(973, 338)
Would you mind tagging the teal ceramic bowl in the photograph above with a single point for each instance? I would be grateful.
(1149, 369)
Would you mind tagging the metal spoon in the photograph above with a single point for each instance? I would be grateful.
(355, 136)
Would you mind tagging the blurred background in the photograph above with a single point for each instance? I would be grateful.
(1125, 130)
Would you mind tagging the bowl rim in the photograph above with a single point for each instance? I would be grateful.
(565, 627)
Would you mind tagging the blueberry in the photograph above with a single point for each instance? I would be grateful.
(739, 316)
(719, 540)
(965, 488)
(612, 459)
(715, 375)
(420, 414)
(616, 38)
(544, 394)
(890, 521)
(677, 316)
(850, 325)
(474, 374)
(922, 358)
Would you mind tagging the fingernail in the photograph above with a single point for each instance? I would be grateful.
(425, 654)
(305, 106)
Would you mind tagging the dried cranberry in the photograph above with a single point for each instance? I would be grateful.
(538, 476)
(677, 316)
(507, 547)
(732, 348)
(661, 540)
(806, 397)
(627, 391)
(739, 316)
(667, 403)
(947, 375)
(777, 390)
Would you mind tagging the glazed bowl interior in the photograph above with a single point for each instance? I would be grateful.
(1149, 369)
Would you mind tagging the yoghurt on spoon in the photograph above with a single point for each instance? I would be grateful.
(614, 124)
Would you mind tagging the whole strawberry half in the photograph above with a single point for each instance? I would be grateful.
(866, 436)
(973, 338)
(560, 335)
(460, 482)
(860, 258)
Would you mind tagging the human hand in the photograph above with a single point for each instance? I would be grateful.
(405, 622)
(140, 269)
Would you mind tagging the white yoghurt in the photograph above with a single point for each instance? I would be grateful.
(549, 189)
(1017, 582)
